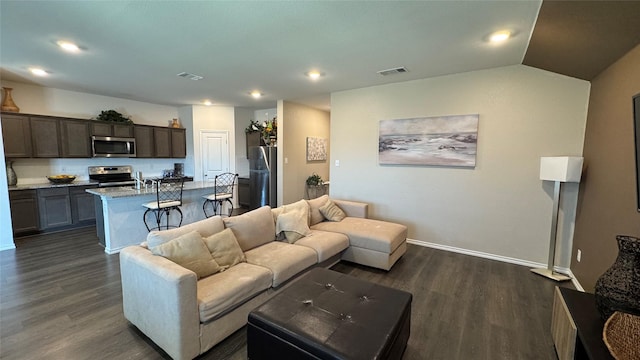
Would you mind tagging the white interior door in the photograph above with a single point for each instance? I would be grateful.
(215, 153)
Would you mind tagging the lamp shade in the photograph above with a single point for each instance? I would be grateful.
(561, 168)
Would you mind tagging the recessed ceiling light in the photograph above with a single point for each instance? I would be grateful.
(38, 72)
(499, 36)
(256, 94)
(68, 46)
(314, 74)
(207, 102)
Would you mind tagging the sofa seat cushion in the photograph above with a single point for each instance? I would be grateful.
(370, 234)
(283, 259)
(325, 243)
(222, 292)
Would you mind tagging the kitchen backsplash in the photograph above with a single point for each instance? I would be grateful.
(34, 171)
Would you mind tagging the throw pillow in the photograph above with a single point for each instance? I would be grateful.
(190, 252)
(332, 212)
(314, 209)
(224, 249)
(293, 224)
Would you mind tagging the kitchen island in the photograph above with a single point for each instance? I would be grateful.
(119, 212)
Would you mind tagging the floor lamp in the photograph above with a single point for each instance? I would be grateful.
(558, 169)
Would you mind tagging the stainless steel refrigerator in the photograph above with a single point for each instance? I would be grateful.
(263, 178)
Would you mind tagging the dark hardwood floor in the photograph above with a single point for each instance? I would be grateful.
(60, 298)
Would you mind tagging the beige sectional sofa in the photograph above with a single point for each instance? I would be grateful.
(186, 315)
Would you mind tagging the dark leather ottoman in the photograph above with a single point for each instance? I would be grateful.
(329, 315)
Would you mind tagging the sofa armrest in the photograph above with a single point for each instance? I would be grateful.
(160, 298)
(353, 208)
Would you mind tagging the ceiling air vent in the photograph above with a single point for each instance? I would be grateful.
(398, 70)
(186, 75)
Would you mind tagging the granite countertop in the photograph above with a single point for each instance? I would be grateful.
(129, 191)
(46, 185)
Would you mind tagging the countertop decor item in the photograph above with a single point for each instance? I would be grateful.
(314, 180)
(12, 178)
(113, 116)
(618, 289)
(621, 334)
(175, 124)
(7, 103)
(61, 179)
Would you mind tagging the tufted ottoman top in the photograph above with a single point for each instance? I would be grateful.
(330, 315)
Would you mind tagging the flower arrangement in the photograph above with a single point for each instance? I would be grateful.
(254, 126)
(270, 129)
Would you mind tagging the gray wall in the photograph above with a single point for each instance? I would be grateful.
(499, 209)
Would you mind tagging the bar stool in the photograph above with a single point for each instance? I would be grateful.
(223, 191)
(168, 197)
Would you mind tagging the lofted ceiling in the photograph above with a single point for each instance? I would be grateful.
(135, 49)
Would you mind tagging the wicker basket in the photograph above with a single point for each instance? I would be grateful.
(621, 334)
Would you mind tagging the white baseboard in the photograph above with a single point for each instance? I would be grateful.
(506, 259)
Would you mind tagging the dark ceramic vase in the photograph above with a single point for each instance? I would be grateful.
(618, 289)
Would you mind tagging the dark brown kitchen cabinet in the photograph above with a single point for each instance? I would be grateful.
(75, 138)
(243, 192)
(83, 209)
(162, 142)
(54, 207)
(178, 143)
(144, 141)
(45, 136)
(99, 128)
(253, 139)
(24, 211)
(16, 132)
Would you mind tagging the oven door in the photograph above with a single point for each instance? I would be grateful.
(106, 146)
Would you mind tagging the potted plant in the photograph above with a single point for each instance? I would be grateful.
(114, 116)
(315, 180)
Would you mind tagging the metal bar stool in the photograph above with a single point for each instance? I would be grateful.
(223, 186)
(168, 197)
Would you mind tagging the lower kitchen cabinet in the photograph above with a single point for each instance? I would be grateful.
(55, 207)
(243, 192)
(82, 205)
(24, 211)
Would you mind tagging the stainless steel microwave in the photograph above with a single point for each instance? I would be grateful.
(107, 146)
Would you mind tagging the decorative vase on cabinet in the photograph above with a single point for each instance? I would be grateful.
(618, 289)
(7, 103)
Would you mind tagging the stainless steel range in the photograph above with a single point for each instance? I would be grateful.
(112, 175)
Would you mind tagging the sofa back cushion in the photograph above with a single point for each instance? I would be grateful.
(206, 227)
(253, 228)
(190, 252)
(314, 209)
(224, 249)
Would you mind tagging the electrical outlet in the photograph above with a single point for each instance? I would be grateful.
(579, 255)
(337, 162)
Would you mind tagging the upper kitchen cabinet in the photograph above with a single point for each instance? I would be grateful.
(75, 138)
(162, 141)
(99, 128)
(144, 141)
(16, 132)
(45, 136)
(178, 143)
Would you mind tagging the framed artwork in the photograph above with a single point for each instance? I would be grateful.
(437, 140)
(316, 149)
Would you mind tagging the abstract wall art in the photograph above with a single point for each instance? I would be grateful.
(436, 140)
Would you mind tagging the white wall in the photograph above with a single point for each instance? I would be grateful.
(499, 208)
(6, 229)
(300, 122)
(242, 119)
(215, 118)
